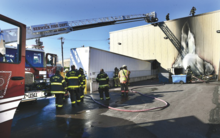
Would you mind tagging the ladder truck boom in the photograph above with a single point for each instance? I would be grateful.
(50, 29)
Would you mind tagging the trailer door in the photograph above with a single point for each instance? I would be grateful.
(12, 72)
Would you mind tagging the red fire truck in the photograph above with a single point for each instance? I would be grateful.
(38, 69)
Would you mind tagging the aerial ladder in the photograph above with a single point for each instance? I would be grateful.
(176, 43)
(56, 28)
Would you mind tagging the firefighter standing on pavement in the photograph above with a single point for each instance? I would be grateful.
(189, 73)
(73, 79)
(103, 80)
(115, 78)
(124, 78)
(83, 83)
(57, 87)
(66, 95)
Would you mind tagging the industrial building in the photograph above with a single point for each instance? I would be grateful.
(195, 38)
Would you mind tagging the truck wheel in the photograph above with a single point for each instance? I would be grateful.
(181, 82)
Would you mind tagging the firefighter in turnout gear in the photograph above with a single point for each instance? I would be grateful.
(124, 79)
(168, 17)
(103, 80)
(83, 83)
(115, 78)
(189, 74)
(193, 11)
(73, 79)
(57, 87)
(66, 95)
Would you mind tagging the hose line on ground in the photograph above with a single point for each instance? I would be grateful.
(143, 110)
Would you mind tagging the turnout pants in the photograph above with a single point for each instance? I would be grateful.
(66, 95)
(116, 82)
(188, 78)
(124, 88)
(59, 100)
(82, 92)
(102, 90)
(75, 96)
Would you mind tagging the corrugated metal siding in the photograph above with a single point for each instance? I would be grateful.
(147, 42)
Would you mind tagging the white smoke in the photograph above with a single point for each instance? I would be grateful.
(198, 65)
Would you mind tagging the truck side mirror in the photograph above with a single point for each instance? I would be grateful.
(2, 45)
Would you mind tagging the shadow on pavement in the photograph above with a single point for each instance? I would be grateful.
(88, 120)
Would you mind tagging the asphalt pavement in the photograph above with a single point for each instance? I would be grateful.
(193, 112)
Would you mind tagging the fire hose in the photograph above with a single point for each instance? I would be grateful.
(198, 79)
(143, 110)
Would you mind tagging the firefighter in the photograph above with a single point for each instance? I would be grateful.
(129, 73)
(65, 71)
(73, 79)
(193, 10)
(57, 87)
(115, 78)
(83, 83)
(103, 80)
(189, 73)
(168, 17)
(124, 79)
(66, 95)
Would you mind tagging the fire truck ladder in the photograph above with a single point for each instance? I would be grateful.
(172, 39)
(50, 29)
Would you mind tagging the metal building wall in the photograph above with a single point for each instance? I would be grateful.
(108, 61)
(140, 42)
(147, 42)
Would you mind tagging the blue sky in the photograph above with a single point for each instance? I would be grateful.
(34, 12)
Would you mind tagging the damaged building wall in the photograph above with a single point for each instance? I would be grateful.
(197, 35)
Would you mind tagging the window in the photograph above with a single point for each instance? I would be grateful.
(34, 59)
(10, 47)
(37, 58)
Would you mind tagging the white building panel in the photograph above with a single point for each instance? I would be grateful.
(92, 60)
(80, 58)
(100, 59)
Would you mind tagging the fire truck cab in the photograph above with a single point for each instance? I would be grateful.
(12, 83)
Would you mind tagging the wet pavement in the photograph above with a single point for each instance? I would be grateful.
(193, 112)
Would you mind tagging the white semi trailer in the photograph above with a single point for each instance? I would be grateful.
(92, 60)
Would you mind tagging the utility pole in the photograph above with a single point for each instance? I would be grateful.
(61, 38)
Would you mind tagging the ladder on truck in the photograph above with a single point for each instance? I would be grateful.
(173, 39)
(50, 29)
